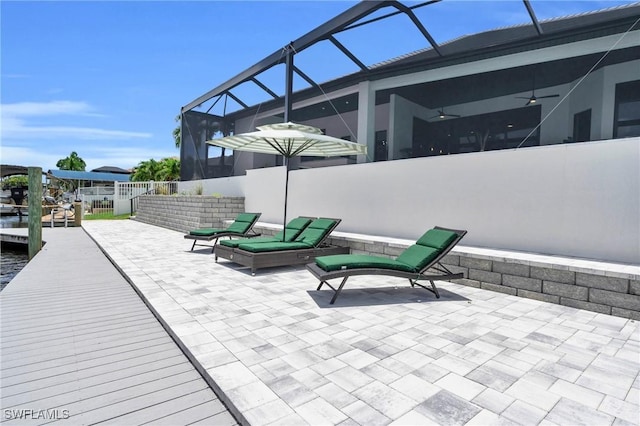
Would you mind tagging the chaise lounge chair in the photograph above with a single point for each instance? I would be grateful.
(239, 228)
(304, 248)
(414, 263)
(291, 231)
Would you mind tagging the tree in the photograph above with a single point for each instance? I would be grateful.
(72, 162)
(177, 138)
(166, 169)
(145, 171)
(169, 169)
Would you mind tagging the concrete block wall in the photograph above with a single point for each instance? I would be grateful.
(607, 288)
(185, 212)
(592, 289)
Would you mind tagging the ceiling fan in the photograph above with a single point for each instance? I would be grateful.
(533, 98)
(442, 115)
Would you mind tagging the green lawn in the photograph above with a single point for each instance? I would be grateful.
(106, 216)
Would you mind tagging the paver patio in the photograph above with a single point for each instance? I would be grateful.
(384, 353)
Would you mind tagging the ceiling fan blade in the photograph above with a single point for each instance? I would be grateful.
(548, 96)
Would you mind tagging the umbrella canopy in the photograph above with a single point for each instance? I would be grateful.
(290, 140)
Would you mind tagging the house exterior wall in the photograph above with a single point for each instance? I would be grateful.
(580, 200)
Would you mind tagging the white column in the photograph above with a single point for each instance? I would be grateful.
(366, 119)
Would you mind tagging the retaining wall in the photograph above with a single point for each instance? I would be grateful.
(186, 212)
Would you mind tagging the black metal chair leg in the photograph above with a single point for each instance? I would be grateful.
(335, 295)
(435, 289)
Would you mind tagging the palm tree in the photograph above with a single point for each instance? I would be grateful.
(72, 162)
(169, 169)
(177, 138)
(146, 170)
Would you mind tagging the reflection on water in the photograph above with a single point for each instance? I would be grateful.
(13, 258)
(11, 262)
(14, 221)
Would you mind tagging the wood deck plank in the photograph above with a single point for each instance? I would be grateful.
(79, 353)
(34, 396)
(126, 401)
(75, 336)
(129, 370)
(155, 412)
(198, 413)
(88, 367)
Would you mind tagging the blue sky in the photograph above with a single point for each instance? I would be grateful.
(106, 79)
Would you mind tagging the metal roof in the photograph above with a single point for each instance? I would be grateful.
(10, 170)
(94, 176)
(111, 169)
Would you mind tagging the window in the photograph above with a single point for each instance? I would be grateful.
(626, 120)
(484, 132)
(582, 126)
(381, 151)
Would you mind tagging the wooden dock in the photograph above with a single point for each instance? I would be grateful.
(77, 344)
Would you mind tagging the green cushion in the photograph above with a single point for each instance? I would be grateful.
(418, 256)
(293, 230)
(352, 261)
(205, 232)
(299, 223)
(243, 223)
(239, 227)
(437, 238)
(246, 217)
(235, 243)
(273, 246)
(316, 231)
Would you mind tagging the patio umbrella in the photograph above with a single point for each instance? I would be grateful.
(289, 140)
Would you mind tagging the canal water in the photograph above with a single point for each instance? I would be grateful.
(13, 257)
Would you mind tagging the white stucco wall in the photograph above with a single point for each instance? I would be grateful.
(233, 186)
(579, 199)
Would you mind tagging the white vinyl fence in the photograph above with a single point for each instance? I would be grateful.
(127, 194)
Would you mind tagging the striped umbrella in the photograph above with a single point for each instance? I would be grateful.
(290, 140)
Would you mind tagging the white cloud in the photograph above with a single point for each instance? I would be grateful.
(93, 156)
(28, 157)
(15, 123)
(26, 143)
(26, 109)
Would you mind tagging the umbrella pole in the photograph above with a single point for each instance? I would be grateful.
(286, 193)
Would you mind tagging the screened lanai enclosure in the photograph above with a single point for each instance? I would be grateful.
(548, 81)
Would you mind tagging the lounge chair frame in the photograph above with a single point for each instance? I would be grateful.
(271, 259)
(435, 270)
(250, 233)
